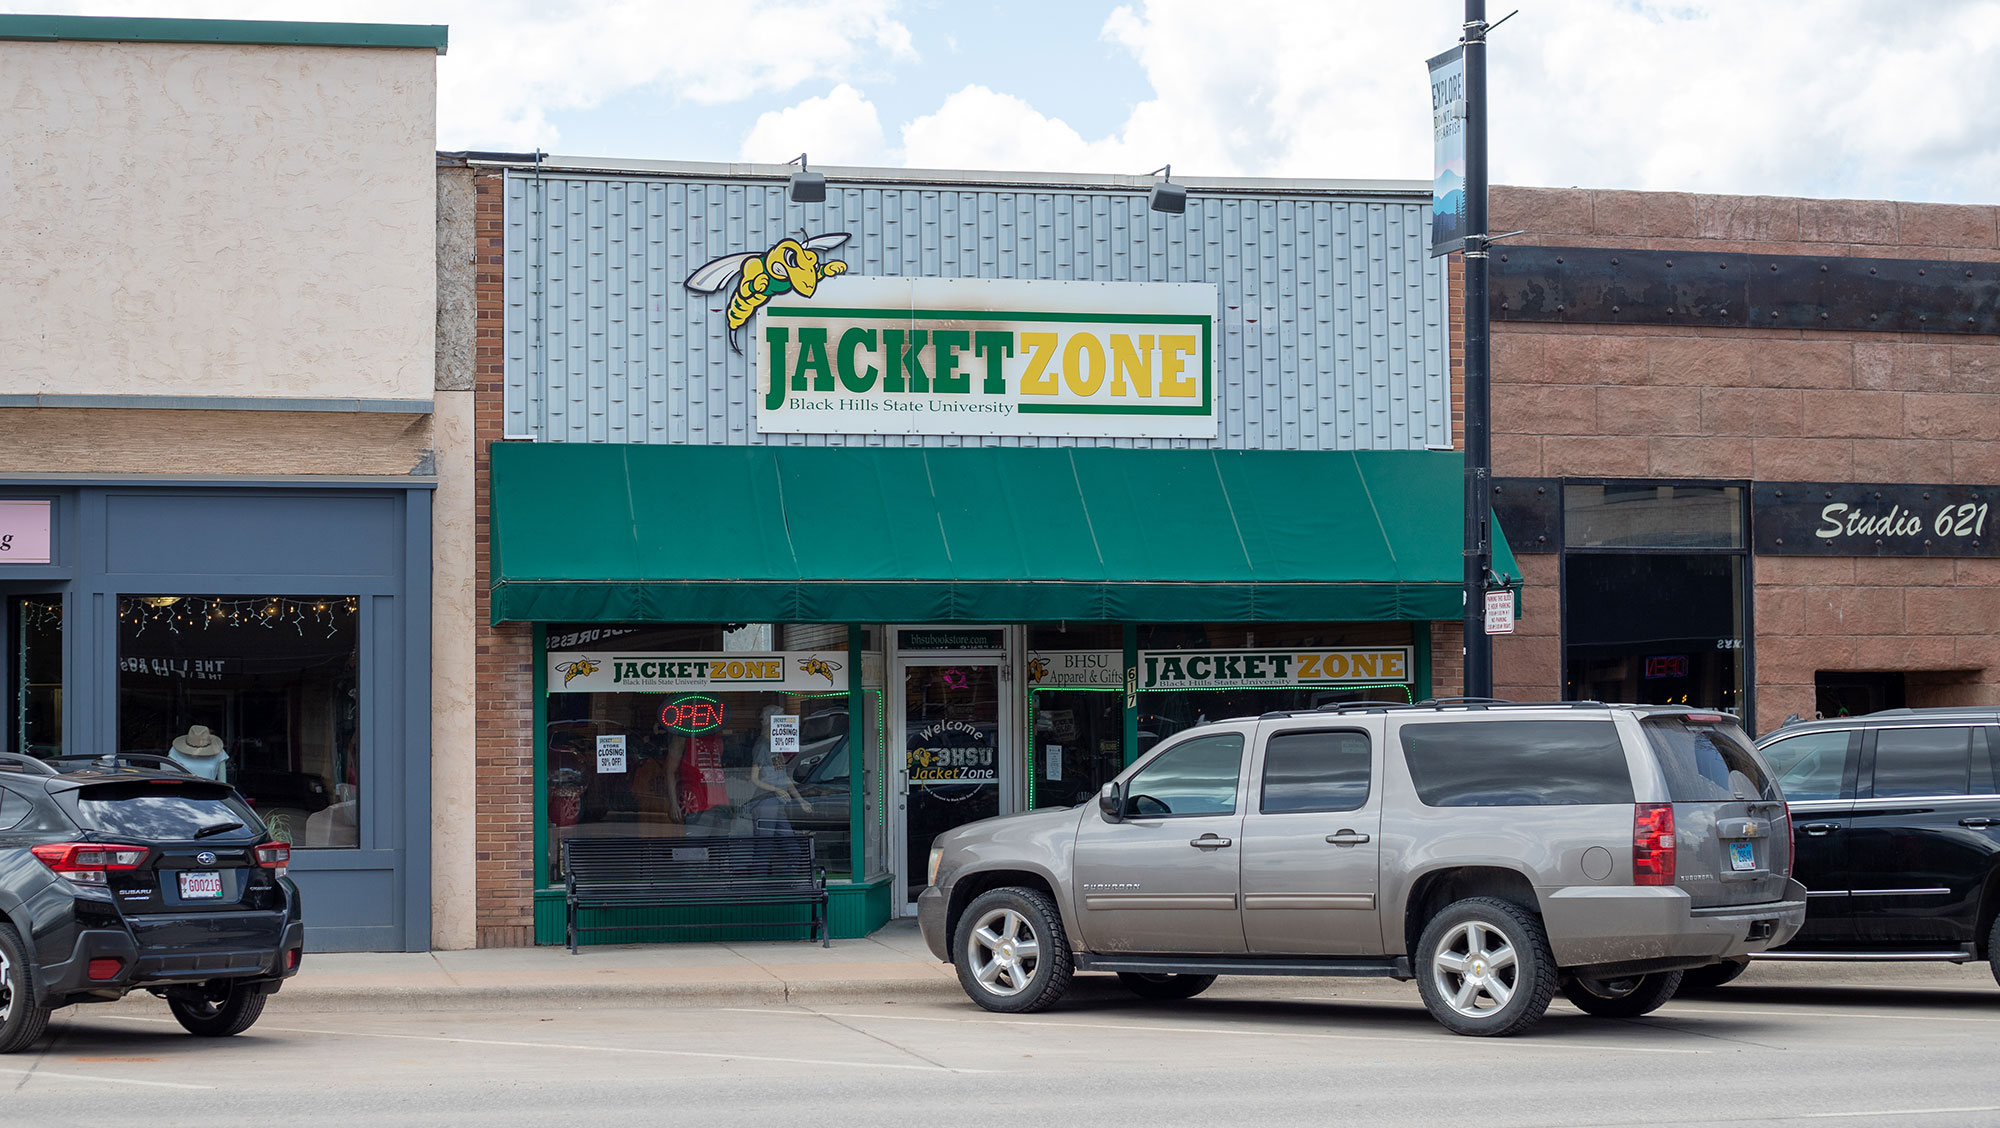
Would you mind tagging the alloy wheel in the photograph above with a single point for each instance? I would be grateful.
(1475, 969)
(6, 986)
(1004, 951)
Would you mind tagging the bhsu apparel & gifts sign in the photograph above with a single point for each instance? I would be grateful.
(968, 356)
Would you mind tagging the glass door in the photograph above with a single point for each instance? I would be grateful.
(953, 737)
(32, 667)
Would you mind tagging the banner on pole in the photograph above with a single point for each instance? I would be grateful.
(1448, 142)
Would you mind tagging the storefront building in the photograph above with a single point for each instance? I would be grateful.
(1745, 448)
(939, 499)
(218, 453)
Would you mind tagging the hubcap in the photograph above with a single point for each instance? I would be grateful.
(1004, 951)
(1474, 969)
(6, 987)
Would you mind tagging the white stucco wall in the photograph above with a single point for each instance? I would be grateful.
(217, 220)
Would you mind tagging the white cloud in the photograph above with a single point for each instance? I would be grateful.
(513, 62)
(840, 127)
(1810, 97)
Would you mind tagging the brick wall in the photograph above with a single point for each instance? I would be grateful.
(506, 708)
(1774, 405)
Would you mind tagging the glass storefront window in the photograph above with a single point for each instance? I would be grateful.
(1652, 515)
(34, 665)
(261, 691)
(1654, 629)
(694, 746)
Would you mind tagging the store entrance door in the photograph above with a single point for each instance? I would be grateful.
(31, 671)
(955, 737)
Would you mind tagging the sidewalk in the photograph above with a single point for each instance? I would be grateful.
(891, 962)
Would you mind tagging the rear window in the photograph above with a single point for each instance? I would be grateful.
(1517, 763)
(1706, 761)
(145, 810)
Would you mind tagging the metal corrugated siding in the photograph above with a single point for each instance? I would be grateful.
(1333, 330)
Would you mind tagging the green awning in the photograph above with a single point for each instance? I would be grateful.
(621, 533)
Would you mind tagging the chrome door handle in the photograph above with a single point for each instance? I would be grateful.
(1347, 838)
(1209, 842)
(1977, 824)
(1818, 829)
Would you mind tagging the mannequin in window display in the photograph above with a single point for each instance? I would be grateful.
(696, 765)
(771, 775)
(200, 752)
(655, 787)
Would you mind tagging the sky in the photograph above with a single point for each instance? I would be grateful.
(1869, 99)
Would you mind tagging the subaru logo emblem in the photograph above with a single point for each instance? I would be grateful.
(205, 858)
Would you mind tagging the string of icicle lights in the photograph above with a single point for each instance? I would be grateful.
(178, 613)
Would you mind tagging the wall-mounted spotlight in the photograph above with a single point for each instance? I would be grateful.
(1166, 196)
(805, 186)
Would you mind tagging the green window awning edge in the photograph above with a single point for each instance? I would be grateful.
(628, 533)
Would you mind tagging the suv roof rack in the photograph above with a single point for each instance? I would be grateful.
(34, 764)
(115, 761)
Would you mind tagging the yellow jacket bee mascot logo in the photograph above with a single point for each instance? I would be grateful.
(791, 265)
(819, 666)
(1038, 670)
(581, 668)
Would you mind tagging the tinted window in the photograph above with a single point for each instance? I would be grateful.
(13, 808)
(1707, 762)
(1315, 771)
(1809, 766)
(1195, 778)
(162, 811)
(1926, 761)
(1517, 763)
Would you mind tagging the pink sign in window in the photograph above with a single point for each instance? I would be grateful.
(24, 532)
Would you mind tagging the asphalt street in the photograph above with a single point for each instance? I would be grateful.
(1265, 1052)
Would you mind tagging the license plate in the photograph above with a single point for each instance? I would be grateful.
(200, 884)
(1742, 856)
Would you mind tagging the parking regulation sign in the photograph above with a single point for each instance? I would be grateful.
(1499, 612)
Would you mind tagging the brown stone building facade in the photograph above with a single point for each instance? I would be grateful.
(1745, 449)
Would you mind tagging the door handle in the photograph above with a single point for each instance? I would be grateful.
(1347, 838)
(1819, 829)
(1977, 824)
(1210, 842)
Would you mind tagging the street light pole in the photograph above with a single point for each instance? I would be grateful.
(1478, 382)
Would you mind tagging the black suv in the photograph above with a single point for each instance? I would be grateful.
(122, 873)
(1897, 820)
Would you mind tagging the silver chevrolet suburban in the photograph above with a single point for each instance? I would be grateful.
(1494, 852)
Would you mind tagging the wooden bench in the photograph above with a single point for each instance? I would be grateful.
(616, 873)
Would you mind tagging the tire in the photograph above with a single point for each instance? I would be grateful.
(1484, 968)
(1627, 996)
(1993, 950)
(1165, 986)
(1713, 976)
(21, 1021)
(216, 1014)
(1010, 950)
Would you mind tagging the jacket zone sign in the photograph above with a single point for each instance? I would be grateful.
(967, 356)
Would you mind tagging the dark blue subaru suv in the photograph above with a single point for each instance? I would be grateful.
(123, 873)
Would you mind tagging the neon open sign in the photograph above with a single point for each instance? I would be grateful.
(691, 714)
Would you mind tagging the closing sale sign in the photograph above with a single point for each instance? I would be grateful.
(967, 356)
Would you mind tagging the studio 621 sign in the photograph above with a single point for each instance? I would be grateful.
(966, 356)
(1835, 519)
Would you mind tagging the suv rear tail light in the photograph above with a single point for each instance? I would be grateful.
(1653, 858)
(275, 856)
(86, 863)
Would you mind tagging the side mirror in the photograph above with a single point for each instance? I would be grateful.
(1111, 801)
